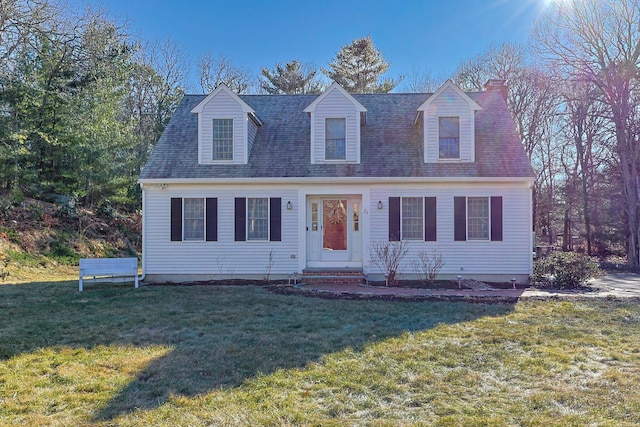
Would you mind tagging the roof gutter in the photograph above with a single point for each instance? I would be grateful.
(331, 180)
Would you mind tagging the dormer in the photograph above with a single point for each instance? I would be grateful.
(336, 117)
(449, 125)
(226, 128)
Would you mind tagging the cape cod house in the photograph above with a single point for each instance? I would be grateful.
(267, 185)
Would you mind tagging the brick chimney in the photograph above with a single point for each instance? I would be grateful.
(497, 85)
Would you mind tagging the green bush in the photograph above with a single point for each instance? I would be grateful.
(565, 270)
(62, 253)
(24, 259)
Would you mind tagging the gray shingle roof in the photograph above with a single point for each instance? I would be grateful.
(391, 144)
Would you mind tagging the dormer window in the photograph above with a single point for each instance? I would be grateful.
(449, 137)
(222, 139)
(335, 139)
(448, 118)
(335, 123)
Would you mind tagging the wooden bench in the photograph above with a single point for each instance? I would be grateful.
(108, 267)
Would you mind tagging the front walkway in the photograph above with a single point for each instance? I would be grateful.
(617, 285)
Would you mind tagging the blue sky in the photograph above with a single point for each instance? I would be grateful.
(427, 35)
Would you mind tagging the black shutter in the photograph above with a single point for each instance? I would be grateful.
(212, 220)
(275, 219)
(176, 219)
(460, 218)
(496, 218)
(430, 219)
(241, 219)
(394, 219)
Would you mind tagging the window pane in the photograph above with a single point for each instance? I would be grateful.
(193, 219)
(478, 218)
(412, 218)
(335, 146)
(258, 218)
(222, 139)
(449, 137)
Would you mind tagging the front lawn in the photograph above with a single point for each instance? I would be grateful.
(218, 355)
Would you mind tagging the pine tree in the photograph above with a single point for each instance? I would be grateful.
(358, 68)
(292, 78)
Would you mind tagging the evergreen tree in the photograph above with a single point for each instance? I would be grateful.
(358, 68)
(292, 78)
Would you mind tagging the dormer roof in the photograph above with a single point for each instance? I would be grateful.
(223, 88)
(335, 87)
(449, 84)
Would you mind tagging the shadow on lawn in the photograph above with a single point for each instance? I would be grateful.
(221, 336)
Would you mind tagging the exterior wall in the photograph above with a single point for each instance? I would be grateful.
(335, 105)
(225, 258)
(449, 104)
(512, 256)
(222, 106)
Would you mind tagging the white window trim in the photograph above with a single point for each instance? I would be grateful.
(233, 141)
(246, 220)
(449, 159)
(204, 220)
(488, 238)
(413, 239)
(346, 140)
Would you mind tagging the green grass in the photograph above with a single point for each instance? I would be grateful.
(197, 355)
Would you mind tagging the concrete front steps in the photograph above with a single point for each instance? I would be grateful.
(336, 276)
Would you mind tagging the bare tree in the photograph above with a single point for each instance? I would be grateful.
(217, 70)
(497, 62)
(585, 128)
(420, 81)
(598, 41)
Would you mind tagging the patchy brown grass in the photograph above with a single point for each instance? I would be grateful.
(217, 355)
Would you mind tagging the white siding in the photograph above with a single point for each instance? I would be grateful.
(224, 257)
(336, 105)
(449, 104)
(511, 256)
(227, 258)
(222, 106)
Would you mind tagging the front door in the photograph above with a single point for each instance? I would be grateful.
(333, 232)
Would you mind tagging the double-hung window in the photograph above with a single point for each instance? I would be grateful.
(335, 139)
(193, 219)
(257, 218)
(478, 218)
(222, 139)
(412, 218)
(449, 137)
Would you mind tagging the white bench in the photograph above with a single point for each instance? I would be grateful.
(108, 267)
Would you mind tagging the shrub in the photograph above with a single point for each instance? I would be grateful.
(387, 257)
(62, 253)
(428, 265)
(5, 207)
(565, 270)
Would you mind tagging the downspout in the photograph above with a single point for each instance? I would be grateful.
(144, 252)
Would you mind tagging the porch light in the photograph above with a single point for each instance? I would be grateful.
(379, 204)
(289, 205)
